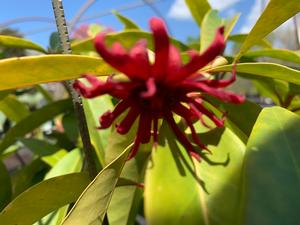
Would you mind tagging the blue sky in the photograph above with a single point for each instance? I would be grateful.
(175, 12)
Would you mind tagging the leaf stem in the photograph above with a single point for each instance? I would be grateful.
(77, 102)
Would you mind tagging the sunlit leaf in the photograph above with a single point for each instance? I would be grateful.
(240, 38)
(34, 120)
(211, 22)
(180, 192)
(281, 54)
(275, 14)
(229, 25)
(198, 9)
(93, 109)
(16, 42)
(270, 70)
(127, 38)
(272, 179)
(30, 70)
(128, 23)
(43, 198)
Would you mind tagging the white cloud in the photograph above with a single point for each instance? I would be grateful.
(179, 10)
(252, 17)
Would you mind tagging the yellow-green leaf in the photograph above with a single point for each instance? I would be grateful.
(31, 70)
(275, 14)
(16, 42)
(198, 9)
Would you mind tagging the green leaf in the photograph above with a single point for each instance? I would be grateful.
(235, 119)
(198, 8)
(27, 176)
(127, 38)
(275, 14)
(281, 54)
(229, 25)
(5, 187)
(92, 205)
(70, 125)
(43, 198)
(211, 22)
(16, 42)
(128, 23)
(34, 120)
(71, 163)
(8, 106)
(93, 109)
(177, 194)
(54, 42)
(39, 147)
(270, 70)
(240, 38)
(272, 179)
(125, 200)
(30, 70)
(51, 160)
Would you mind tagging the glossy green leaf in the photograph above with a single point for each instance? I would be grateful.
(16, 42)
(92, 205)
(34, 120)
(128, 23)
(5, 187)
(178, 191)
(211, 22)
(275, 14)
(240, 38)
(30, 70)
(127, 38)
(8, 106)
(270, 70)
(93, 109)
(43, 198)
(272, 179)
(198, 8)
(281, 54)
(39, 147)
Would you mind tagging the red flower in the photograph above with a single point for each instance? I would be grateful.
(156, 91)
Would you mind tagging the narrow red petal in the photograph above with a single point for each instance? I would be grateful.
(199, 61)
(116, 57)
(151, 88)
(135, 147)
(128, 121)
(226, 96)
(139, 56)
(162, 45)
(179, 134)
(108, 117)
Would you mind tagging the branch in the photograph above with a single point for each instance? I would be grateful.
(77, 102)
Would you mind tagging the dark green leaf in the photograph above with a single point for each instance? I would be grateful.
(34, 120)
(43, 198)
(39, 147)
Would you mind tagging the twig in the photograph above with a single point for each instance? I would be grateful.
(83, 128)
